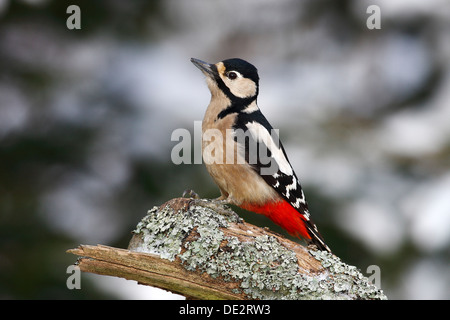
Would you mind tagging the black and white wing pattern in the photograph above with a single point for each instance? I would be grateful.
(265, 153)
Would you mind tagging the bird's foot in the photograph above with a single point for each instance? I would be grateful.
(189, 193)
(220, 206)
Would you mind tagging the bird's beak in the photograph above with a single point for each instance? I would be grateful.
(207, 68)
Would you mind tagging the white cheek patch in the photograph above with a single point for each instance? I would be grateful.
(240, 87)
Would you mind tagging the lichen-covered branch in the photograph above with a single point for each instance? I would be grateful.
(147, 269)
(205, 251)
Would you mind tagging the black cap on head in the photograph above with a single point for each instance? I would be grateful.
(243, 67)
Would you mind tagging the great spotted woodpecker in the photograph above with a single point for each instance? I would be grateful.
(266, 187)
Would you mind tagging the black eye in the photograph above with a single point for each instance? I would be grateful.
(232, 75)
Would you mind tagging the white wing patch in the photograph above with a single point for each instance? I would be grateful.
(260, 134)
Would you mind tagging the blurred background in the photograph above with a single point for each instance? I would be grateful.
(86, 117)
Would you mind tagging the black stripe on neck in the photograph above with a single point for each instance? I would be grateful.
(236, 106)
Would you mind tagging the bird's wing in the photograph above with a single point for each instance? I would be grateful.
(265, 153)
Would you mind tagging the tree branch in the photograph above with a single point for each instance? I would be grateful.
(205, 251)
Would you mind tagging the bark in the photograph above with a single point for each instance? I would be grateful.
(203, 250)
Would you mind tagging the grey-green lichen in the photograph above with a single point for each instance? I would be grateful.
(163, 231)
(264, 267)
(346, 279)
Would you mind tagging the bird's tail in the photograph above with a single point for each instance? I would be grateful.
(287, 217)
(315, 237)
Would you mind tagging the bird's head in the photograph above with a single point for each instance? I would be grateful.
(236, 78)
